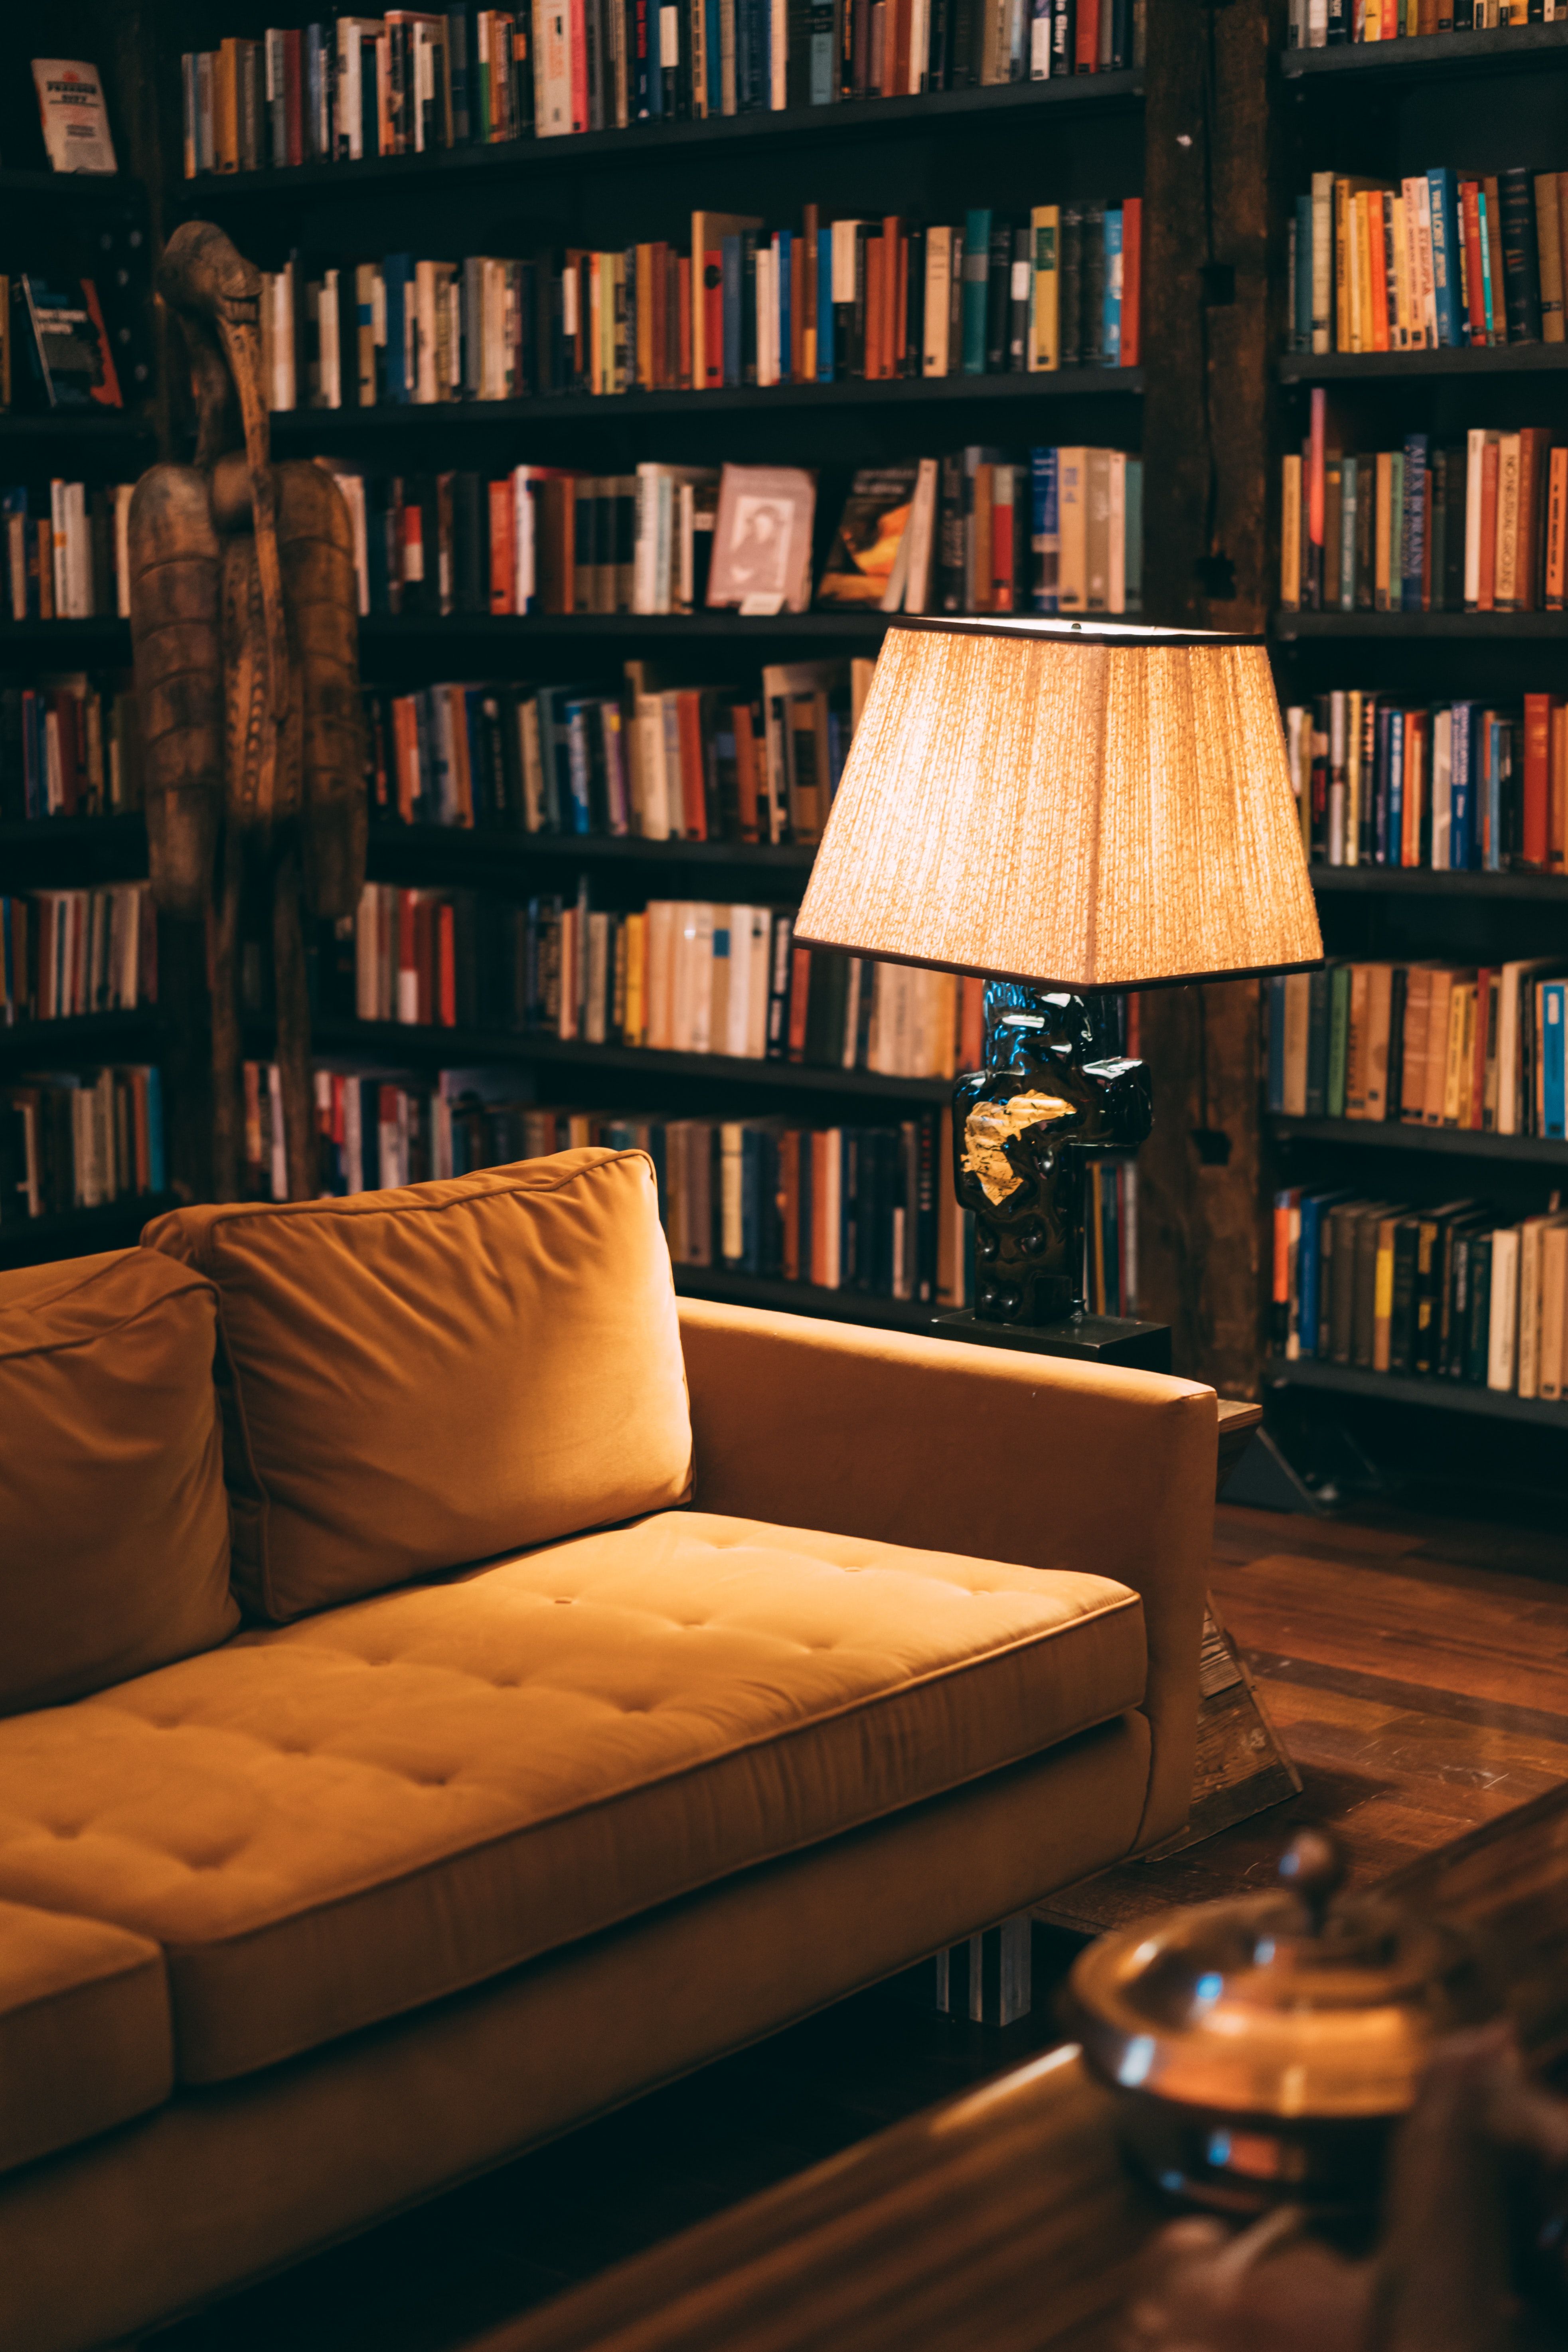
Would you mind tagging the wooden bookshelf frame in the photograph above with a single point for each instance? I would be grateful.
(1393, 1135)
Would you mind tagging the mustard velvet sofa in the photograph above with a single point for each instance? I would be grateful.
(447, 1689)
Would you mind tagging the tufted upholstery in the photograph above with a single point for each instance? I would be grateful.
(440, 1373)
(84, 2031)
(328, 1823)
(113, 1522)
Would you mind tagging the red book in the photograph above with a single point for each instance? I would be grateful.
(406, 744)
(1086, 57)
(424, 955)
(1131, 281)
(876, 249)
(683, 317)
(446, 965)
(972, 1023)
(1537, 776)
(579, 66)
(746, 771)
(693, 797)
(714, 321)
(293, 98)
(799, 990)
(503, 551)
(1486, 601)
(895, 262)
(106, 390)
(1315, 490)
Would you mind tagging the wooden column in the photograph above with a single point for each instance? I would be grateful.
(1214, 296)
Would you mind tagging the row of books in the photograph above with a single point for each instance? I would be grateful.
(68, 953)
(1480, 527)
(1326, 23)
(1425, 1044)
(1455, 786)
(80, 1142)
(413, 82)
(65, 555)
(69, 746)
(976, 531)
(661, 763)
(1439, 260)
(833, 300)
(681, 977)
(1452, 1293)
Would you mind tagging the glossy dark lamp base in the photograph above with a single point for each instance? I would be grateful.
(1094, 1338)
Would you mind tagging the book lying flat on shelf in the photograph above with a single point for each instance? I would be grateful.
(75, 124)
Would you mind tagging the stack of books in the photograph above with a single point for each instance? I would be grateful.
(69, 746)
(832, 300)
(1453, 786)
(64, 553)
(683, 977)
(79, 1142)
(67, 952)
(1478, 526)
(1476, 1048)
(1452, 1293)
(412, 83)
(1440, 260)
(662, 763)
(1324, 24)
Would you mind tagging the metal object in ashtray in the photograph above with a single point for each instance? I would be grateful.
(1263, 2049)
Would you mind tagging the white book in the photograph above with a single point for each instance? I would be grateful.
(76, 125)
(351, 488)
(832, 1205)
(920, 535)
(1502, 1333)
(939, 282)
(647, 728)
(598, 977)
(330, 343)
(1442, 789)
(1427, 261)
(698, 936)
(1323, 252)
(1475, 444)
(767, 316)
(60, 580)
(732, 1189)
(1116, 592)
(683, 957)
(758, 985)
(280, 1159)
(778, 54)
(552, 68)
(738, 1003)
(658, 980)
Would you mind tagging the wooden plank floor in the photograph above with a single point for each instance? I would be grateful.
(1419, 1674)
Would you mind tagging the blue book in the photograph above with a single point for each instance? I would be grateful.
(459, 49)
(1379, 803)
(730, 255)
(1396, 788)
(712, 25)
(157, 1169)
(398, 273)
(1500, 769)
(1044, 528)
(1277, 1045)
(580, 805)
(1412, 523)
(1491, 295)
(1111, 330)
(1461, 796)
(1444, 188)
(825, 306)
(1553, 1076)
(1301, 336)
(1133, 554)
(1310, 1261)
(1350, 498)
(976, 271)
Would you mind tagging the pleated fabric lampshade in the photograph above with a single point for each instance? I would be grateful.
(1074, 805)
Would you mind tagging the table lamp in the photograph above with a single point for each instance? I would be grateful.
(1061, 808)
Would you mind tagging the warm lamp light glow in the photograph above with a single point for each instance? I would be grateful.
(1085, 807)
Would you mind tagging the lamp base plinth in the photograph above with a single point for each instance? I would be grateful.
(1093, 1338)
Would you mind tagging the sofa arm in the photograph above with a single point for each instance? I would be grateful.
(1034, 1460)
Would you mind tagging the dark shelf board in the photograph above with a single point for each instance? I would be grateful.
(1290, 626)
(719, 1282)
(1355, 367)
(393, 1042)
(646, 144)
(69, 183)
(294, 425)
(74, 1232)
(128, 830)
(1393, 1135)
(1423, 882)
(386, 627)
(66, 641)
(1448, 1396)
(73, 424)
(49, 1044)
(1421, 55)
(405, 848)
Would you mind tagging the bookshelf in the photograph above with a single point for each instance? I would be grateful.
(1481, 103)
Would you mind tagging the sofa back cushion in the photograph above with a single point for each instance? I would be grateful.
(416, 1379)
(113, 1521)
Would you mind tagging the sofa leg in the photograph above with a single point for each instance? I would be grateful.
(987, 1978)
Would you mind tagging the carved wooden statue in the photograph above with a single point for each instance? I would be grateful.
(244, 617)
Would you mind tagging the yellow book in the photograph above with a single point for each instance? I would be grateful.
(635, 1029)
(1290, 538)
(1456, 1069)
(1383, 1293)
(1353, 777)
(1044, 342)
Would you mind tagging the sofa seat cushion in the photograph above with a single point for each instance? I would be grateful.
(114, 1519)
(85, 2038)
(328, 1824)
(440, 1373)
